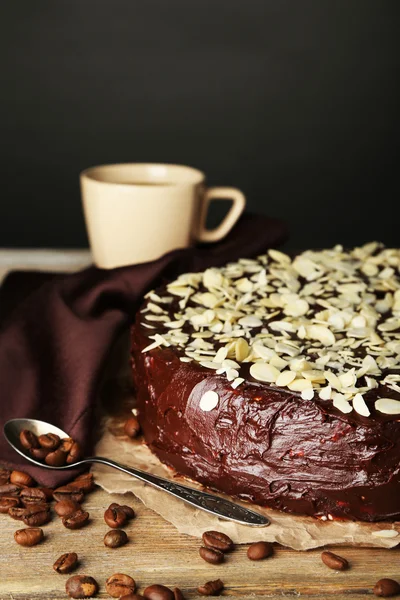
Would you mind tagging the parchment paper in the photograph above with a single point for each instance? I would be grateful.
(300, 533)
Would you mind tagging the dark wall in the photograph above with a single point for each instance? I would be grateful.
(294, 101)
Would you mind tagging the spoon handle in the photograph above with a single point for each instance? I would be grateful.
(203, 500)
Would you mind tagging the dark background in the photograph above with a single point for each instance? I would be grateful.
(295, 102)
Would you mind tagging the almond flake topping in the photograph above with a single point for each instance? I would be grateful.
(324, 325)
(209, 400)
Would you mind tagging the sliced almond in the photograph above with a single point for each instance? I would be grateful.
(209, 401)
(360, 406)
(340, 402)
(325, 393)
(264, 372)
(322, 334)
(388, 406)
(285, 378)
(385, 533)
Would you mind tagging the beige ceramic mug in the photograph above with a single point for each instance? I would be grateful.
(137, 212)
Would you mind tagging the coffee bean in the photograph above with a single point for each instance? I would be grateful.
(386, 588)
(7, 502)
(64, 508)
(211, 588)
(211, 555)
(29, 537)
(66, 444)
(259, 550)
(115, 538)
(158, 592)
(74, 454)
(16, 513)
(84, 483)
(21, 478)
(50, 441)
(218, 540)
(48, 492)
(32, 496)
(120, 585)
(36, 515)
(129, 512)
(132, 427)
(10, 489)
(334, 561)
(28, 439)
(57, 458)
(68, 493)
(4, 476)
(178, 594)
(39, 453)
(66, 563)
(115, 517)
(76, 520)
(81, 586)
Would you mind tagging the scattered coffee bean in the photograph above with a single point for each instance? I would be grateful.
(218, 540)
(10, 489)
(81, 586)
(29, 537)
(84, 483)
(64, 508)
(28, 439)
(21, 478)
(32, 496)
(386, 588)
(115, 517)
(120, 585)
(66, 563)
(68, 493)
(115, 538)
(36, 515)
(16, 513)
(39, 453)
(48, 492)
(74, 454)
(57, 458)
(129, 512)
(50, 441)
(158, 592)
(211, 588)
(7, 502)
(178, 594)
(259, 550)
(212, 555)
(76, 520)
(132, 427)
(333, 561)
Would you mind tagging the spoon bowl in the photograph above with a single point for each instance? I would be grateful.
(13, 428)
(211, 503)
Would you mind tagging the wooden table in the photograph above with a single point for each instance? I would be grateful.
(156, 553)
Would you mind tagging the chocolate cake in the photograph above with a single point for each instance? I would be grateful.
(277, 380)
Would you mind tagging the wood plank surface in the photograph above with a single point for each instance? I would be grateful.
(156, 553)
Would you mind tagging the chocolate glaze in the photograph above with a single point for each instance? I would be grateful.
(264, 444)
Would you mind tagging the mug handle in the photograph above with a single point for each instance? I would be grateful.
(220, 193)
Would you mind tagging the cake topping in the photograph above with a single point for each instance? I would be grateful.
(325, 324)
(209, 400)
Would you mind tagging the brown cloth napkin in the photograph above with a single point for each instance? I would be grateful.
(56, 338)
